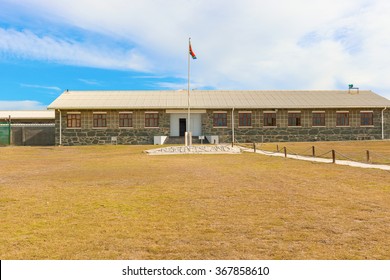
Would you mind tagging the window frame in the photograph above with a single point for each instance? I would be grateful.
(100, 122)
(371, 118)
(343, 123)
(297, 117)
(78, 120)
(220, 119)
(129, 119)
(244, 119)
(273, 119)
(151, 120)
(322, 119)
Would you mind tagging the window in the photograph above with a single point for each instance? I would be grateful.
(125, 120)
(366, 118)
(151, 119)
(220, 119)
(99, 120)
(244, 119)
(294, 119)
(342, 119)
(269, 119)
(73, 120)
(318, 119)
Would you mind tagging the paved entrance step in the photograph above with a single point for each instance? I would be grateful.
(181, 140)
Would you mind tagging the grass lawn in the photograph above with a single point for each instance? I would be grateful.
(116, 202)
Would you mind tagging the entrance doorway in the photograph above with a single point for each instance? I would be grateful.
(182, 126)
(179, 123)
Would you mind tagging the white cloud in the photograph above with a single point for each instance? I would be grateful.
(41, 87)
(27, 45)
(246, 44)
(22, 105)
(90, 82)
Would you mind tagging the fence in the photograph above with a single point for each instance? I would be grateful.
(5, 133)
(27, 134)
(364, 156)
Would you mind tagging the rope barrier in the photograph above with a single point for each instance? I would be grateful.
(297, 154)
(269, 152)
(321, 155)
(356, 157)
(340, 154)
(377, 154)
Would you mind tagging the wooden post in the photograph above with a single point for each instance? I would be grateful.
(254, 147)
(313, 151)
(285, 151)
(333, 156)
(277, 148)
(368, 155)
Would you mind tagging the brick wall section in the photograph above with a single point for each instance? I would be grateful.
(138, 134)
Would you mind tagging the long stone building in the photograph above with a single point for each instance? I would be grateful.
(136, 117)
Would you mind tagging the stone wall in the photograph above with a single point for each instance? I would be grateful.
(138, 134)
(386, 118)
(306, 132)
(88, 135)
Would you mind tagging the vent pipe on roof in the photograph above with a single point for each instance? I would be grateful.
(351, 88)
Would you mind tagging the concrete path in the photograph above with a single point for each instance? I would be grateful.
(323, 160)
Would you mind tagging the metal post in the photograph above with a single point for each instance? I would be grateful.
(383, 124)
(60, 141)
(233, 136)
(333, 156)
(189, 141)
(23, 136)
(9, 130)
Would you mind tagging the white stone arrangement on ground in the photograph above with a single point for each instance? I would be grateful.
(209, 149)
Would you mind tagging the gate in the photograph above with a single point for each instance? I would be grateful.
(5, 132)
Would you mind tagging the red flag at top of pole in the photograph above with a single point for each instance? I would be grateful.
(192, 53)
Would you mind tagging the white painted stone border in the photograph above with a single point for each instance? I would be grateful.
(183, 150)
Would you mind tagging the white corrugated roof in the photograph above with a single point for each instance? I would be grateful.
(208, 99)
(27, 115)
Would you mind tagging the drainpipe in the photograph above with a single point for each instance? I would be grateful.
(383, 124)
(232, 126)
(60, 143)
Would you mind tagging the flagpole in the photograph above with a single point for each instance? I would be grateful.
(189, 136)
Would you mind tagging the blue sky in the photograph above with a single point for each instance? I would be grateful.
(47, 46)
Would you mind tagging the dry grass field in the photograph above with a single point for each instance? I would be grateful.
(116, 202)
